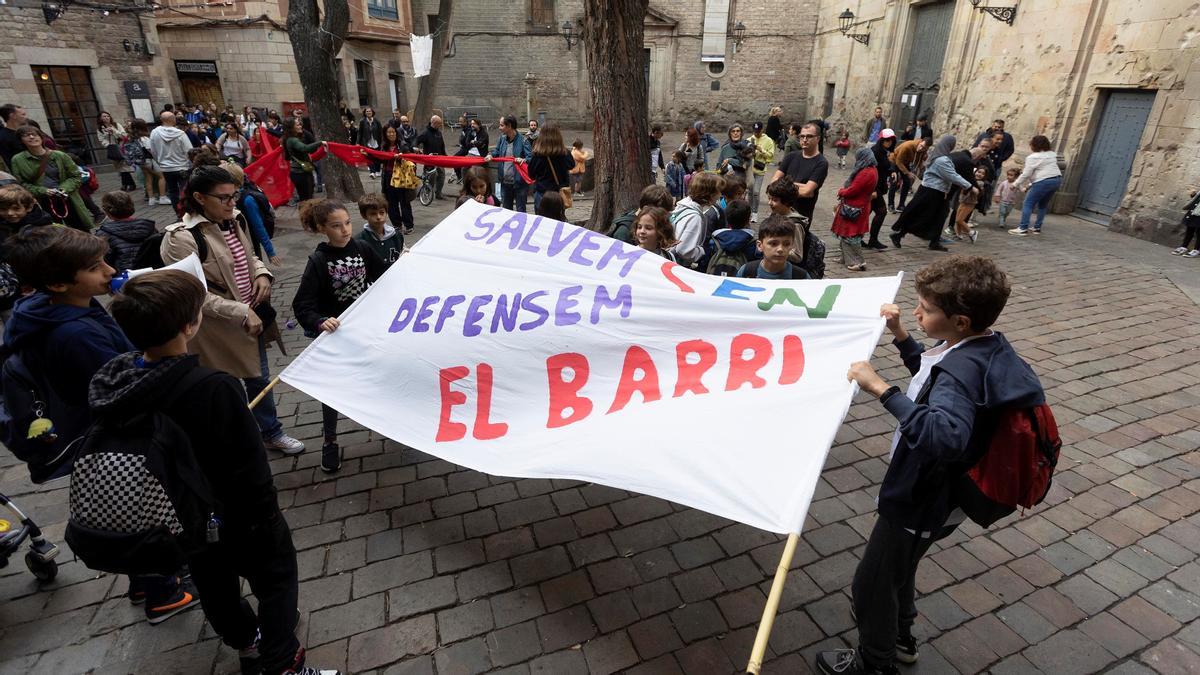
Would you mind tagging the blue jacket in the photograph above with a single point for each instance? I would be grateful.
(733, 241)
(947, 429)
(521, 148)
(675, 174)
(80, 341)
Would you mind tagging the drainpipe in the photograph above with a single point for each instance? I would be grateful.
(530, 80)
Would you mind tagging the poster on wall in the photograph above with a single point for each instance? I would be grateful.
(138, 93)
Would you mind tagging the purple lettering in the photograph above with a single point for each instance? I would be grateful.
(525, 245)
(558, 242)
(471, 322)
(563, 316)
(447, 311)
(586, 243)
(426, 311)
(528, 305)
(403, 315)
(619, 251)
(506, 312)
(513, 227)
(486, 227)
(623, 300)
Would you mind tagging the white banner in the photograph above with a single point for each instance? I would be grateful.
(522, 346)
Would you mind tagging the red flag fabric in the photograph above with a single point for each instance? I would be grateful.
(360, 156)
(270, 173)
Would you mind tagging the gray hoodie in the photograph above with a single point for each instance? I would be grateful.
(170, 146)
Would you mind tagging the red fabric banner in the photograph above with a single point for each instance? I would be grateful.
(270, 171)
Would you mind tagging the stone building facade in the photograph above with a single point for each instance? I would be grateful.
(510, 56)
(65, 72)
(1114, 85)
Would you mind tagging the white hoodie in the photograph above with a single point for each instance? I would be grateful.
(170, 146)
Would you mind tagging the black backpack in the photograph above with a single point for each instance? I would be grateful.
(798, 272)
(35, 424)
(139, 502)
(149, 254)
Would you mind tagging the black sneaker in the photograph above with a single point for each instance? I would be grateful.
(331, 457)
(846, 662)
(895, 237)
(906, 649)
(185, 598)
(877, 245)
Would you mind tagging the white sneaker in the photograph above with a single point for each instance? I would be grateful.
(974, 235)
(754, 218)
(1194, 253)
(165, 201)
(285, 444)
(151, 201)
(1179, 251)
(1018, 231)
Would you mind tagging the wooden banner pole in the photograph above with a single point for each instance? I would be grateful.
(768, 617)
(262, 394)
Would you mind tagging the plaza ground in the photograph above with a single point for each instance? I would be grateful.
(409, 564)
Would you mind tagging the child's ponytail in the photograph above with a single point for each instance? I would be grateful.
(314, 212)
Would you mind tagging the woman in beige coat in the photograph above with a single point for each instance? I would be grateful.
(232, 337)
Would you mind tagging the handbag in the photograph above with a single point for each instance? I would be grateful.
(567, 197)
(760, 166)
(404, 175)
(849, 212)
(113, 152)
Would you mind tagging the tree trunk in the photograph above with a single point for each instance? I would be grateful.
(315, 43)
(616, 62)
(428, 84)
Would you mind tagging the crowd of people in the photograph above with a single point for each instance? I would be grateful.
(165, 328)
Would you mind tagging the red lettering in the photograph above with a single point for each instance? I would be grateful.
(668, 271)
(636, 359)
(485, 429)
(565, 394)
(447, 430)
(793, 360)
(742, 369)
(690, 373)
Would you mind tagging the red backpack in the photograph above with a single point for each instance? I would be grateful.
(1017, 468)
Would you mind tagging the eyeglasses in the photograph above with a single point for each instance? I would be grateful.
(803, 136)
(224, 199)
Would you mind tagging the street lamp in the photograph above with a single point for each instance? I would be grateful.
(738, 33)
(1005, 14)
(568, 30)
(846, 22)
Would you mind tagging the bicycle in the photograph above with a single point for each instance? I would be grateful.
(425, 189)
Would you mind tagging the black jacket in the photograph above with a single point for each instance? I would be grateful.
(947, 429)
(124, 238)
(225, 438)
(431, 142)
(369, 129)
(543, 177)
(333, 279)
(883, 165)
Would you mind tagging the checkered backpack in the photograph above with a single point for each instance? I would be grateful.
(139, 503)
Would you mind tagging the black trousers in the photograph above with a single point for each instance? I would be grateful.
(175, 181)
(399, 201)
(264, 556)
(879, 209)
(884, 588)
(1190, 232)
(904, 184)
(329, 420)
(303, 181)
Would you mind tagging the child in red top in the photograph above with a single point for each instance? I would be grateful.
(843, 148)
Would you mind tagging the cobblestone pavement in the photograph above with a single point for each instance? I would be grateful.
(410, 564)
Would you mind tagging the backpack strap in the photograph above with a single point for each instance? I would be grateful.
(752, 269)
(181, 386)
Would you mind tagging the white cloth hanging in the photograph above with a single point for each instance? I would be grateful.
(422, 54)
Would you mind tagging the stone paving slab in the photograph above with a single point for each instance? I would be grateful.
(410, 564)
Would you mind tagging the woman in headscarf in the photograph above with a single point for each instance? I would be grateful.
(927, 211)
(852, 217)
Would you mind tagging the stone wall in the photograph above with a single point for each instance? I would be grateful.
(488, 71)
(80, 37)
(1049, 73)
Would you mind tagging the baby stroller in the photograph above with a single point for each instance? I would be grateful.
(41, 555)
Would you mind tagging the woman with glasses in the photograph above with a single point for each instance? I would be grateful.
(736, 155)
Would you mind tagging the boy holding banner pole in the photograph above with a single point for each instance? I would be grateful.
(945, 423)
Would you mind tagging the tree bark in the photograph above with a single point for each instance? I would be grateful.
(616, 61)
(427, 89)
(315, 43)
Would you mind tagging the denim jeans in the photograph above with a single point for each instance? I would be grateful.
(514, 196)
(264, 412)
(1004, 209)
(755, 192)
(1039, 196)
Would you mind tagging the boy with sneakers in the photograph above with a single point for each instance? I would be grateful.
(946, 419)
(377, 233)
(160, 311)
(64, 336)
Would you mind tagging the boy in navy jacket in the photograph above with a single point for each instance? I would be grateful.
(945, 422)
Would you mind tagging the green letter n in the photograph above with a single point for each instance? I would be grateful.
(789, 295)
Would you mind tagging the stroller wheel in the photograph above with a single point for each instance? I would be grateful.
(44, 570)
